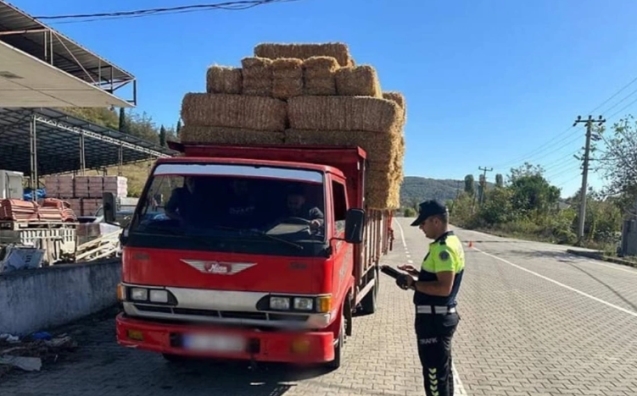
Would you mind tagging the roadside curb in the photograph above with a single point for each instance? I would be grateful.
(602, 257)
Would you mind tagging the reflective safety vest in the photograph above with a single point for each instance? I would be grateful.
(445, 254)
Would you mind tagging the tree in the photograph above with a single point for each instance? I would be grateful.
(469, 185)
(178, 128)
(618, 162)
(525, 170)
(482, 187)
(123, 125)
(499, 180)
(162, 136)
(143, 126)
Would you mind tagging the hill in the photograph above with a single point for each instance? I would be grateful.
(417, 189)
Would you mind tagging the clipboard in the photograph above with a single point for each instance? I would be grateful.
(391, 271)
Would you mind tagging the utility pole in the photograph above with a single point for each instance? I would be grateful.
(587, 150)
(483, 182)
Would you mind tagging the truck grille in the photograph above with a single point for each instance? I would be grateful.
(224, 314)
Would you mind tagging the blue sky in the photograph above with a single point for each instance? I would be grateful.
(488, 83)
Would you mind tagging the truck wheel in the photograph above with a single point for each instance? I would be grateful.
(338, 347)
(368, 303)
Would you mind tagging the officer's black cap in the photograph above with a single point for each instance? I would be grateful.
(427, 209)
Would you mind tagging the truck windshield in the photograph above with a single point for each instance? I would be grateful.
(232, 208)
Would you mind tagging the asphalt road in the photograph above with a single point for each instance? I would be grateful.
(535, 321)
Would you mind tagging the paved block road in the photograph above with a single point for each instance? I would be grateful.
(535, 321)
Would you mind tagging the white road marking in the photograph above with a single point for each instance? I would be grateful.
(553, 248)
(629, 312)
(459, 388)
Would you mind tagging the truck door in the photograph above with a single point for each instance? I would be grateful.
(343, 252)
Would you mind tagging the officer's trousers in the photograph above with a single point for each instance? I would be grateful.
(434, 334)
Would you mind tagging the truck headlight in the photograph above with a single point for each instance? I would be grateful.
(159, 296)
(279, 303)
(139, 294)
(303, 304)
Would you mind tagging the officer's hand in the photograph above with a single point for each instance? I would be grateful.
(408, 269)
(405, 281)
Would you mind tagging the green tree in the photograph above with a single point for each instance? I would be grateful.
(525, 170)
(178, 128)
(123, 125)
(482, 187)
(618, 162)
(162, 136)
(469, 185)
(499, 180)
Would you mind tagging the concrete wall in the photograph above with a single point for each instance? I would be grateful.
(34, 300)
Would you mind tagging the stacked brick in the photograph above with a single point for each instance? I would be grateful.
(84, 193)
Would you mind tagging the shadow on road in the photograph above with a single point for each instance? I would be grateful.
(233, 378)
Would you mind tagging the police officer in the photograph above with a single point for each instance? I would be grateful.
(436, 288)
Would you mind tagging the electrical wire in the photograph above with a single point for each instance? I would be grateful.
(236, 5)
(538, 150)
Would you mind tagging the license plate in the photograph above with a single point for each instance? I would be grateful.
(213, 343)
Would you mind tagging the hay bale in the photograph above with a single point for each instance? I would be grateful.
(224, 80)
(396, 97)
(257, 76)
(384, 153)
(338, 51)
(382, 148)
(358, 81)
(319, 75)
(234, 111)
(383, 199)
(344, 113)
(287, 78)
(230, 136)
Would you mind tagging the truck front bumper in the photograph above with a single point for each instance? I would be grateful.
(226, 343)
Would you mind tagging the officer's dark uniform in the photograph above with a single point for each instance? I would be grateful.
(436, 316)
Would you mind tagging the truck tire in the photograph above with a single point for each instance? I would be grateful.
(338, 347)
(368, 303)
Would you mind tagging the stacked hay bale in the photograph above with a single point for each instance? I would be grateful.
(306, 94)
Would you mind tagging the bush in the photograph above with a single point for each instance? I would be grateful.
(409, 212)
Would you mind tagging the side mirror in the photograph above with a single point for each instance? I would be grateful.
(354, 226)
(109, 205)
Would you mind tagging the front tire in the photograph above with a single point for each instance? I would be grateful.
(338, 347)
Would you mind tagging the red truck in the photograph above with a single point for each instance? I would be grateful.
(239, 274)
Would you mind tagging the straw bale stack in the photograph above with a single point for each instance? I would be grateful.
(319, 75)
(338, 51)
(344, 113)
(257, 76)
(230, 136)
(358, 81)
(234, 111)
(385, 153)
(287, 78)
(304, 94)
(224, 80)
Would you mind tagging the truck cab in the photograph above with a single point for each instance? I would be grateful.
(253, 259)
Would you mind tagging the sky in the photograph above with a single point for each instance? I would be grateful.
(488, 83)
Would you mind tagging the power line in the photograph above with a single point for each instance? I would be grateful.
(236, 5)
(565, 132)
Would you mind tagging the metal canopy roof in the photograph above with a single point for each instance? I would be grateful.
(24, 32)
(28, 82)
(58, 137)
